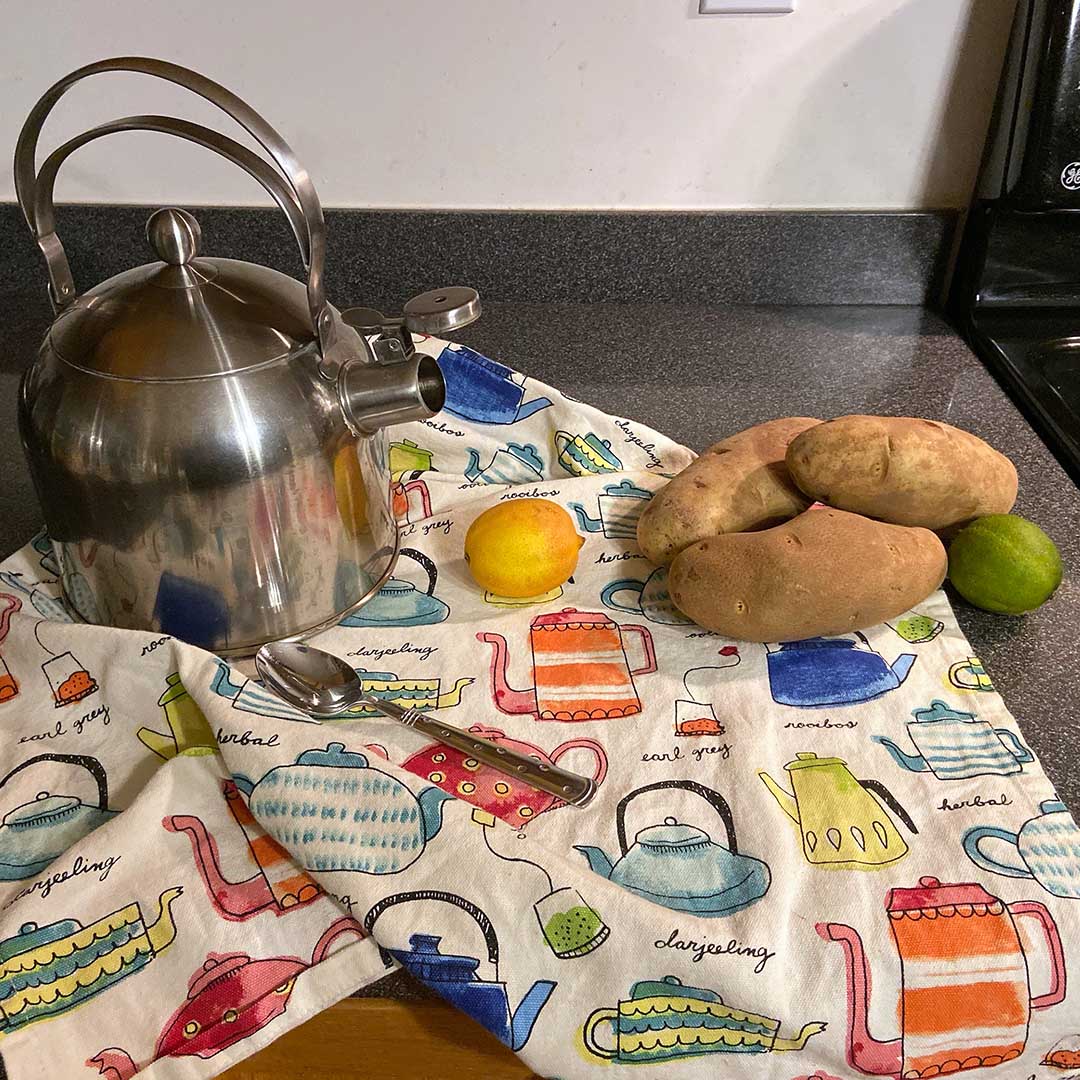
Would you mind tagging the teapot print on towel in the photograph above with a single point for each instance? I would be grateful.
(35, 833)
(650, 598)
(492, 790)
(843, 821)
(516, 464)
(680, 866)
(580, 669)
(665, 1020)
(818, 672)
(484, 390)
(956, 745)
(585, 455)
(277, 884)
(620, 505)
(46, 970)
(334, 811)
(229, 998)
(455, 978)
(400, 602)
(966, 998)
(1047, 848)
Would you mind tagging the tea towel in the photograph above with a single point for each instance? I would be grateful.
(823, 858)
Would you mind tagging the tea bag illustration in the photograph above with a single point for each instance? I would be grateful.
(571, 927)
(68, 680)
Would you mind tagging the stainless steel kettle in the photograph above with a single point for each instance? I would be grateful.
(206, 436)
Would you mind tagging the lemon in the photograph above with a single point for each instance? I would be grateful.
(1004, 563)
(523, 547)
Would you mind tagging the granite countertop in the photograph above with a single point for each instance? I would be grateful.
(699, 372)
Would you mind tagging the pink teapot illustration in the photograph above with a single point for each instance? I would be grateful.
(278, 884)
(966, 999)
(579, 666)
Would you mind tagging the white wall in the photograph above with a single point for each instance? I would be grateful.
(532, 103)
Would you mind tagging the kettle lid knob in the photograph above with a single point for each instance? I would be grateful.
(174, 234)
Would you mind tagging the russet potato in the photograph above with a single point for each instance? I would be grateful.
(902, 470)
(824, 572)
(738, 484)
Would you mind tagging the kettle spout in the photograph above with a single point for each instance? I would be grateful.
(902, 666)
(507, 699)
(786, 801)
(472, 470)
(521, 1023)
(586, 520)
(864, 1052)
(598, 862)
(431, 810)
(374, 396)
(911, 762)
(113, 1064)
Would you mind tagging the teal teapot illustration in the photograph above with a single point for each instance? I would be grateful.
(35, 833)
(333, 811)
(455, 978)
(680, 866)
(400, 602)
(1047, 848)
(955, 745)
(516, 464)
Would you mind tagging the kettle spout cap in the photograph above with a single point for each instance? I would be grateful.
(375, 396)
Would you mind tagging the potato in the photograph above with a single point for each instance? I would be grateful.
(825, 572)
(738, 484)
(909, 472)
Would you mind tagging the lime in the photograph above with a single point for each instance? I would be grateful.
(1004, 563)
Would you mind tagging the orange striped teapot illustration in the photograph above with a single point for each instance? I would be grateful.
(580, 668)
(966, 1000)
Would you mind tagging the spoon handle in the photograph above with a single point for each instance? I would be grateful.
(570, 787)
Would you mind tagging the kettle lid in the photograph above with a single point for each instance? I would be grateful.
(31, 936)
(671, 986)
(570, 618)
(44, 810)
(183, 317)
(932, 894)
(424, 960)
(672, 834)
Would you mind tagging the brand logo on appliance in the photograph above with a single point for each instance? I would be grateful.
(1070, 176)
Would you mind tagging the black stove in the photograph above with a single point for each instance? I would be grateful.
(1016, 287)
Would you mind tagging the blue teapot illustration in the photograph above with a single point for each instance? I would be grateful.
(680, 866)
(818, 672)
(955, 745)
(35, 833)
(333, 811)
(400, 602)
(516, 464)
(484, 390)
(455, 977)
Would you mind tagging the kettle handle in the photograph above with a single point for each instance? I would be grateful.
(714, 798)
(429, 566)
(467, 906)
(62, 288)
(90, 764)
(277, 148)
(1056, 993)
(891, 801)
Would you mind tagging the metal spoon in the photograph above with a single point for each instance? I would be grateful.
(323, 685)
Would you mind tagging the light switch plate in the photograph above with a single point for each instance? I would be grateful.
(745, 7)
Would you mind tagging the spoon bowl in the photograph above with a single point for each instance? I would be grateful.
(313, 680)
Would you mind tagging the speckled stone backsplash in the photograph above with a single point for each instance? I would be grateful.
(381, 257)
